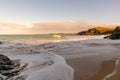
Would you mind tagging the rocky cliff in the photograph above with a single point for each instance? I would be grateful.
(116, 33)
(97, 31)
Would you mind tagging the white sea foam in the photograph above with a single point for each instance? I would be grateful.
(42, 63)
(44, 66)
(113, 73)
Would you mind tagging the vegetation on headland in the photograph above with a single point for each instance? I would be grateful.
(97, 31)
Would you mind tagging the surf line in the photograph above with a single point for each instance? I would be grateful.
(113, 73)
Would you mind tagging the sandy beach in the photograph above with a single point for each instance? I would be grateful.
(89, 69)
(91, 59)
(104, 66)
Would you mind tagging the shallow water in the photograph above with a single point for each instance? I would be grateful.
(43, 38)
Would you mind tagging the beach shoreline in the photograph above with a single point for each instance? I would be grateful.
(102, 64)
(88, 69)
(86, 57)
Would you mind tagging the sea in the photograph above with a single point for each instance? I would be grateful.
(44, 38)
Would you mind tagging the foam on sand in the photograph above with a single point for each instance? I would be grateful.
(114, 72)
(44, 66)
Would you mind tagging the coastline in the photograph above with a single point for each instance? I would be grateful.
(102, 64)
(89, 58)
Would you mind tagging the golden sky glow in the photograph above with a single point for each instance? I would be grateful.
(46, 27)
(63, 16)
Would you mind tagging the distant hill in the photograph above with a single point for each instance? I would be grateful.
(97, 31)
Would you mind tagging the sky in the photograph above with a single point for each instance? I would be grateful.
(67, 13)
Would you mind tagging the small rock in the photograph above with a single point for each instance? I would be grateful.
(4, 60)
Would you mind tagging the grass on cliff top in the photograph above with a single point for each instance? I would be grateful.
(104, 29)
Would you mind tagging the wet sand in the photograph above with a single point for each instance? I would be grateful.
(91, 59)
(94, 68)
(117, 74)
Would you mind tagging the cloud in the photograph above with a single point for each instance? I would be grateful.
(12, 28)
(62, 27)
(46, 27)
(14, 25)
